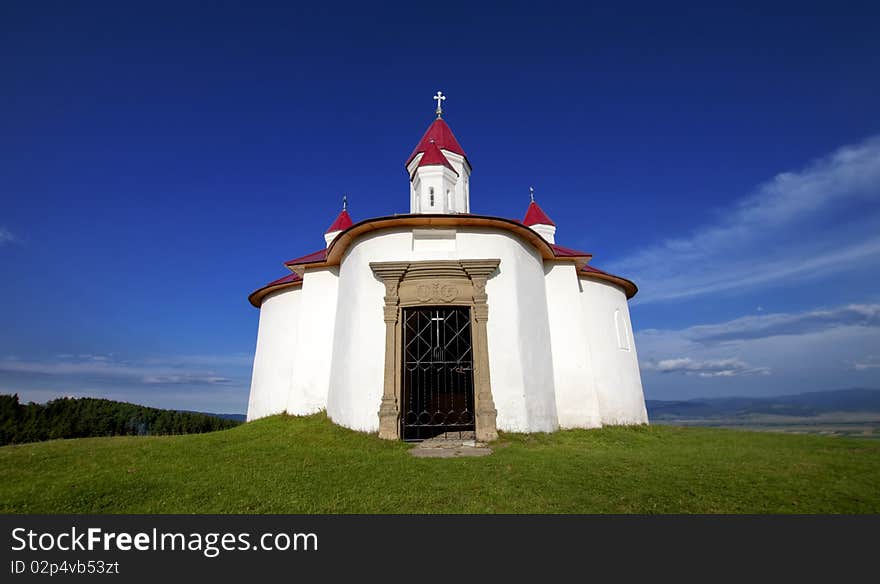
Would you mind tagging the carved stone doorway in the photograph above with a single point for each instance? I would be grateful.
(437, 284)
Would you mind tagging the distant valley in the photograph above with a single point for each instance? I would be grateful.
(846, 412)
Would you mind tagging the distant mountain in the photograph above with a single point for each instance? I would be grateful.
(801, 404)
(233, 417)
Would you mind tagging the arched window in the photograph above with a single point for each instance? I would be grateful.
(431, 192)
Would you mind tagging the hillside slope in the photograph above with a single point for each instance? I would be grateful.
(309, 465)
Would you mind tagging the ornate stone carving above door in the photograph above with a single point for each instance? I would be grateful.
(437, 291)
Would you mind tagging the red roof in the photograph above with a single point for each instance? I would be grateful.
(318, 256)
(442, 136)
(592, 270)
(343, 221)
(288, 278)
(536, 216)
(567, 252)
(434, 157)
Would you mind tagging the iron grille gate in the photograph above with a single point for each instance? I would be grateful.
(438, 377)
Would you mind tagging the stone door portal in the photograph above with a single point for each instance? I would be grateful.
(438, 372)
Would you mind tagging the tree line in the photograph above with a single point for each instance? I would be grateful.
(85, 417)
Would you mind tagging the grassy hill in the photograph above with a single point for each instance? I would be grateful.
(309, 465)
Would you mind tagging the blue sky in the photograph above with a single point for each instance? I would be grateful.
(158, 161)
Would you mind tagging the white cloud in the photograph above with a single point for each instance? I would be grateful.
(173, 371)
(769, 325)
(812, 350)
(868, 363)
(761, 240)
(233, 359)
(705, 368)
(185, 379)
(7, 236)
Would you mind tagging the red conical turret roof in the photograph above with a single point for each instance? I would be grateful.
(343, 221)
(439, 133)
(434, 157)
(535, 215)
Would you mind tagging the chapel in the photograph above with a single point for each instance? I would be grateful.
(443, 320)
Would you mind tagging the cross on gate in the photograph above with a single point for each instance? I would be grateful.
(438, 351)
(438, 318)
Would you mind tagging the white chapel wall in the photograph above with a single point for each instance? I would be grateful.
(358, 355)
(312, 358)
(561, 352)
(520, 363)
(615, 366)
(273, 362)
(520, 358)
(576, 401)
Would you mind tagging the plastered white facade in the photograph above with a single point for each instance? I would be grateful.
(273, 360)
(521, 372)
(312, 363)
(554, 354)
(576, 400)
(614, 364)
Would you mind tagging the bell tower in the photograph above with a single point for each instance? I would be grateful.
(439, 171)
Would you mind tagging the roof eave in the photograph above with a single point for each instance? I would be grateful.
(256, 297)
(340, 244)
(629, 287)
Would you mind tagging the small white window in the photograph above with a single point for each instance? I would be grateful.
(622, 333)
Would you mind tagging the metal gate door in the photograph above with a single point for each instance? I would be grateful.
(438, 376)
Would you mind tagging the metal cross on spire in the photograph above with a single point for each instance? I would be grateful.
(344, 202)
(532, 193)
(439, 98)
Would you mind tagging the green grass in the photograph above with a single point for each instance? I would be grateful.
(309, 465)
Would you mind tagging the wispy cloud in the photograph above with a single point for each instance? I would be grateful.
(705, 368)
(230, 360)
(759, 240)
(7, 236)
(769, 325)
(868, 363)
(172, 371)
(185, 379)
(817, 349)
